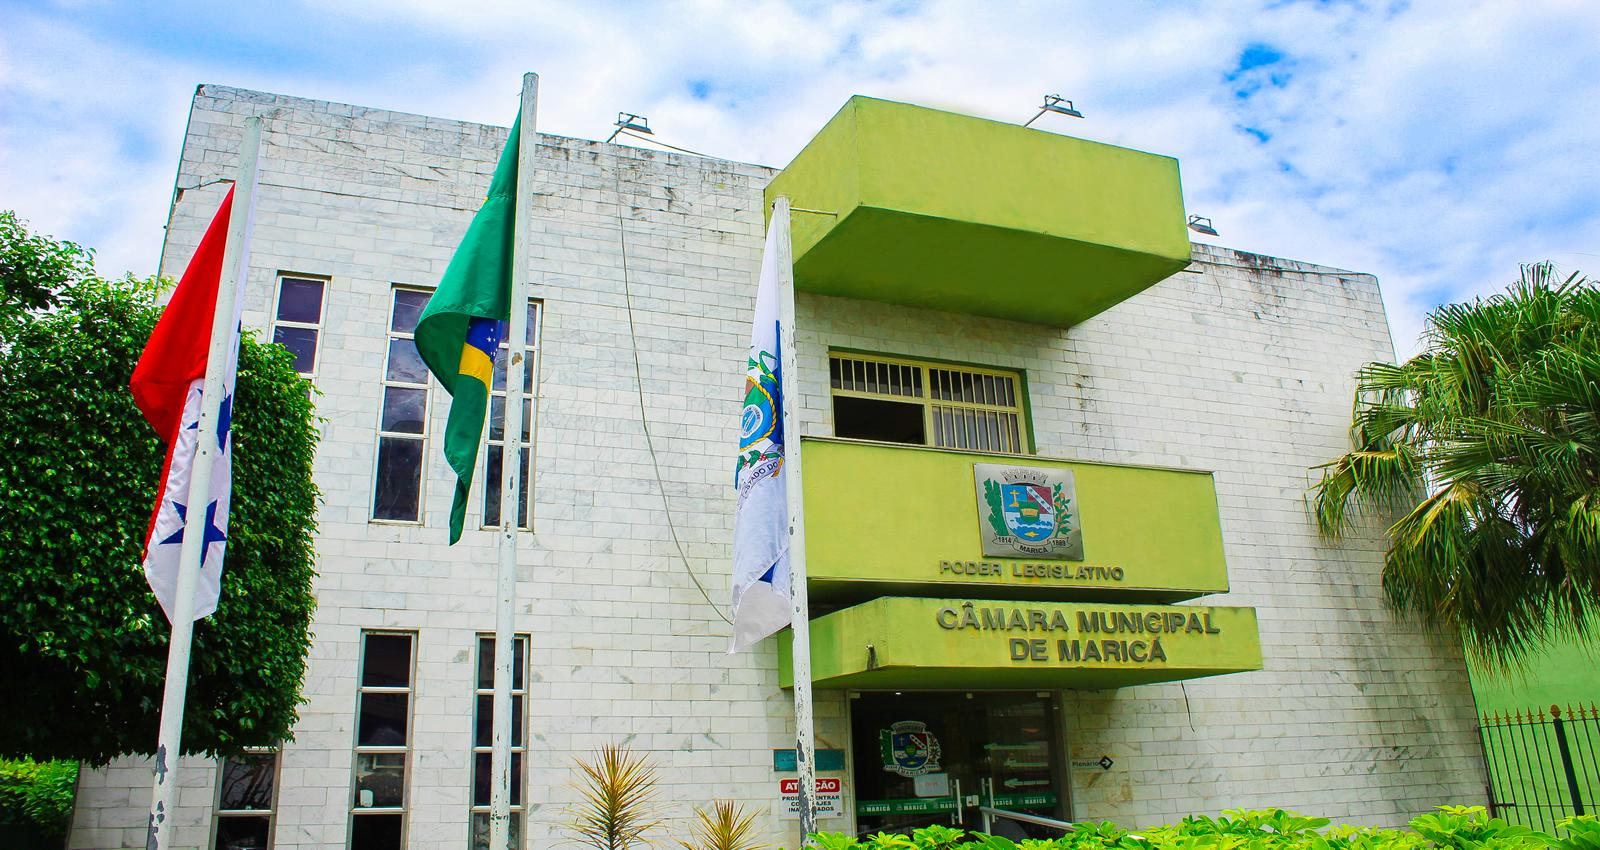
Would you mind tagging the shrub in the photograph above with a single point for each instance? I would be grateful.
(617, 809)
(726, 827)
(36, 799)
(1452, 827)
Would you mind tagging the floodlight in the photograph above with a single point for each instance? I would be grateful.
(1053, 103)
(631, 123)
(1201, 224)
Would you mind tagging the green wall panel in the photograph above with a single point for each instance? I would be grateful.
(907, 643)
(882, 518)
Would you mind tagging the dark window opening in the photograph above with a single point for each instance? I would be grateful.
(874, 419)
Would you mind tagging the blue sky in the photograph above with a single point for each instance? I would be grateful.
(1436, 145)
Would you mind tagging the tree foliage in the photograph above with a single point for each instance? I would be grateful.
(1488, 445)
(83, 642)
(36, 270)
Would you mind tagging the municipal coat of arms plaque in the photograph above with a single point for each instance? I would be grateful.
(1028, 512)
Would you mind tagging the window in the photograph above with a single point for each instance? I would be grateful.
(926, 404)
(403, 422)
(246, 798)
(297, 321)
(483, 738)
(383, 735)
(497, 425)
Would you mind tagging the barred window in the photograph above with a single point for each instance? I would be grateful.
(403, 421)
(920, 403)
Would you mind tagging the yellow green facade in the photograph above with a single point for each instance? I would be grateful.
(930, 209)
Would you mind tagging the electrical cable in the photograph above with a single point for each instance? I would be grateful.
(652, 141)
(644, 418)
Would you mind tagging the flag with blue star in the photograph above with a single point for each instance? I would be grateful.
(168, 384)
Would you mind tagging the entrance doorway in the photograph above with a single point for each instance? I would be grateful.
(924, 758)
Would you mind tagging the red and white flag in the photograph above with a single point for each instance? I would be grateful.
(167, 385)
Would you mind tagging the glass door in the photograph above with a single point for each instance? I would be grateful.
(932, 757)
(1020, 766)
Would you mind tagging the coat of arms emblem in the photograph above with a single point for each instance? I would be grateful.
(1028, 511)
(908, 748)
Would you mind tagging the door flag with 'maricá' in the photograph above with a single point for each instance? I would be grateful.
(459, 332)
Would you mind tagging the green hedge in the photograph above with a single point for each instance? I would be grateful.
(1455, 827)
(35, 802)
(83, 643)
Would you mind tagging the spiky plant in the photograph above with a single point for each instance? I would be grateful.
(726, 827)
(617, 805)
(1488, 446)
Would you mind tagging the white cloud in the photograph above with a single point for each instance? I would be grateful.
(1436, 144)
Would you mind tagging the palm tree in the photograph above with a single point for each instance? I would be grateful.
(1488, 446)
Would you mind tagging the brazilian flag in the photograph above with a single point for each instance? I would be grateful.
(460, 329)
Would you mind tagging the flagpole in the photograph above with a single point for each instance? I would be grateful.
(511, 483)
(168, 746)
(800, 613)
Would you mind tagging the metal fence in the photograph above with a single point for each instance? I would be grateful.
(1543, 767)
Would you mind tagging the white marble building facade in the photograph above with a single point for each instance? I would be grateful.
(644, 266)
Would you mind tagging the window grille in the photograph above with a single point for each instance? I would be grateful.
(922, 403)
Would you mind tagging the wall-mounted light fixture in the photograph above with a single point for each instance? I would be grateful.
(1201, 224)
(1057, 104)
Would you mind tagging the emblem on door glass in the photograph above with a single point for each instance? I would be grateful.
(908, 748)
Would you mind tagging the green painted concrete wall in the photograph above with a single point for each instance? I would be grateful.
(952, 212)
(898, 642)
(1568, 672)
(882, 518)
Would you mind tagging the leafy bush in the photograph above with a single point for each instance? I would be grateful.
(1452, 827)
(36, 797)
(81, 634)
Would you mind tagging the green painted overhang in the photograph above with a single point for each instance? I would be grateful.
(950, 212)
(907, 520)
(905, 643)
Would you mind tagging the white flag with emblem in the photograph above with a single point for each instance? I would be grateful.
(760, 537)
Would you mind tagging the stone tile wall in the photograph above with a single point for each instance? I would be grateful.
(1241, 366)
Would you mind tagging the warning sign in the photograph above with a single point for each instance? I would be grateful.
(829, 797)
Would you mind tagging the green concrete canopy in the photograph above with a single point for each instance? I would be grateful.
(956, 213)
(939, 644)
